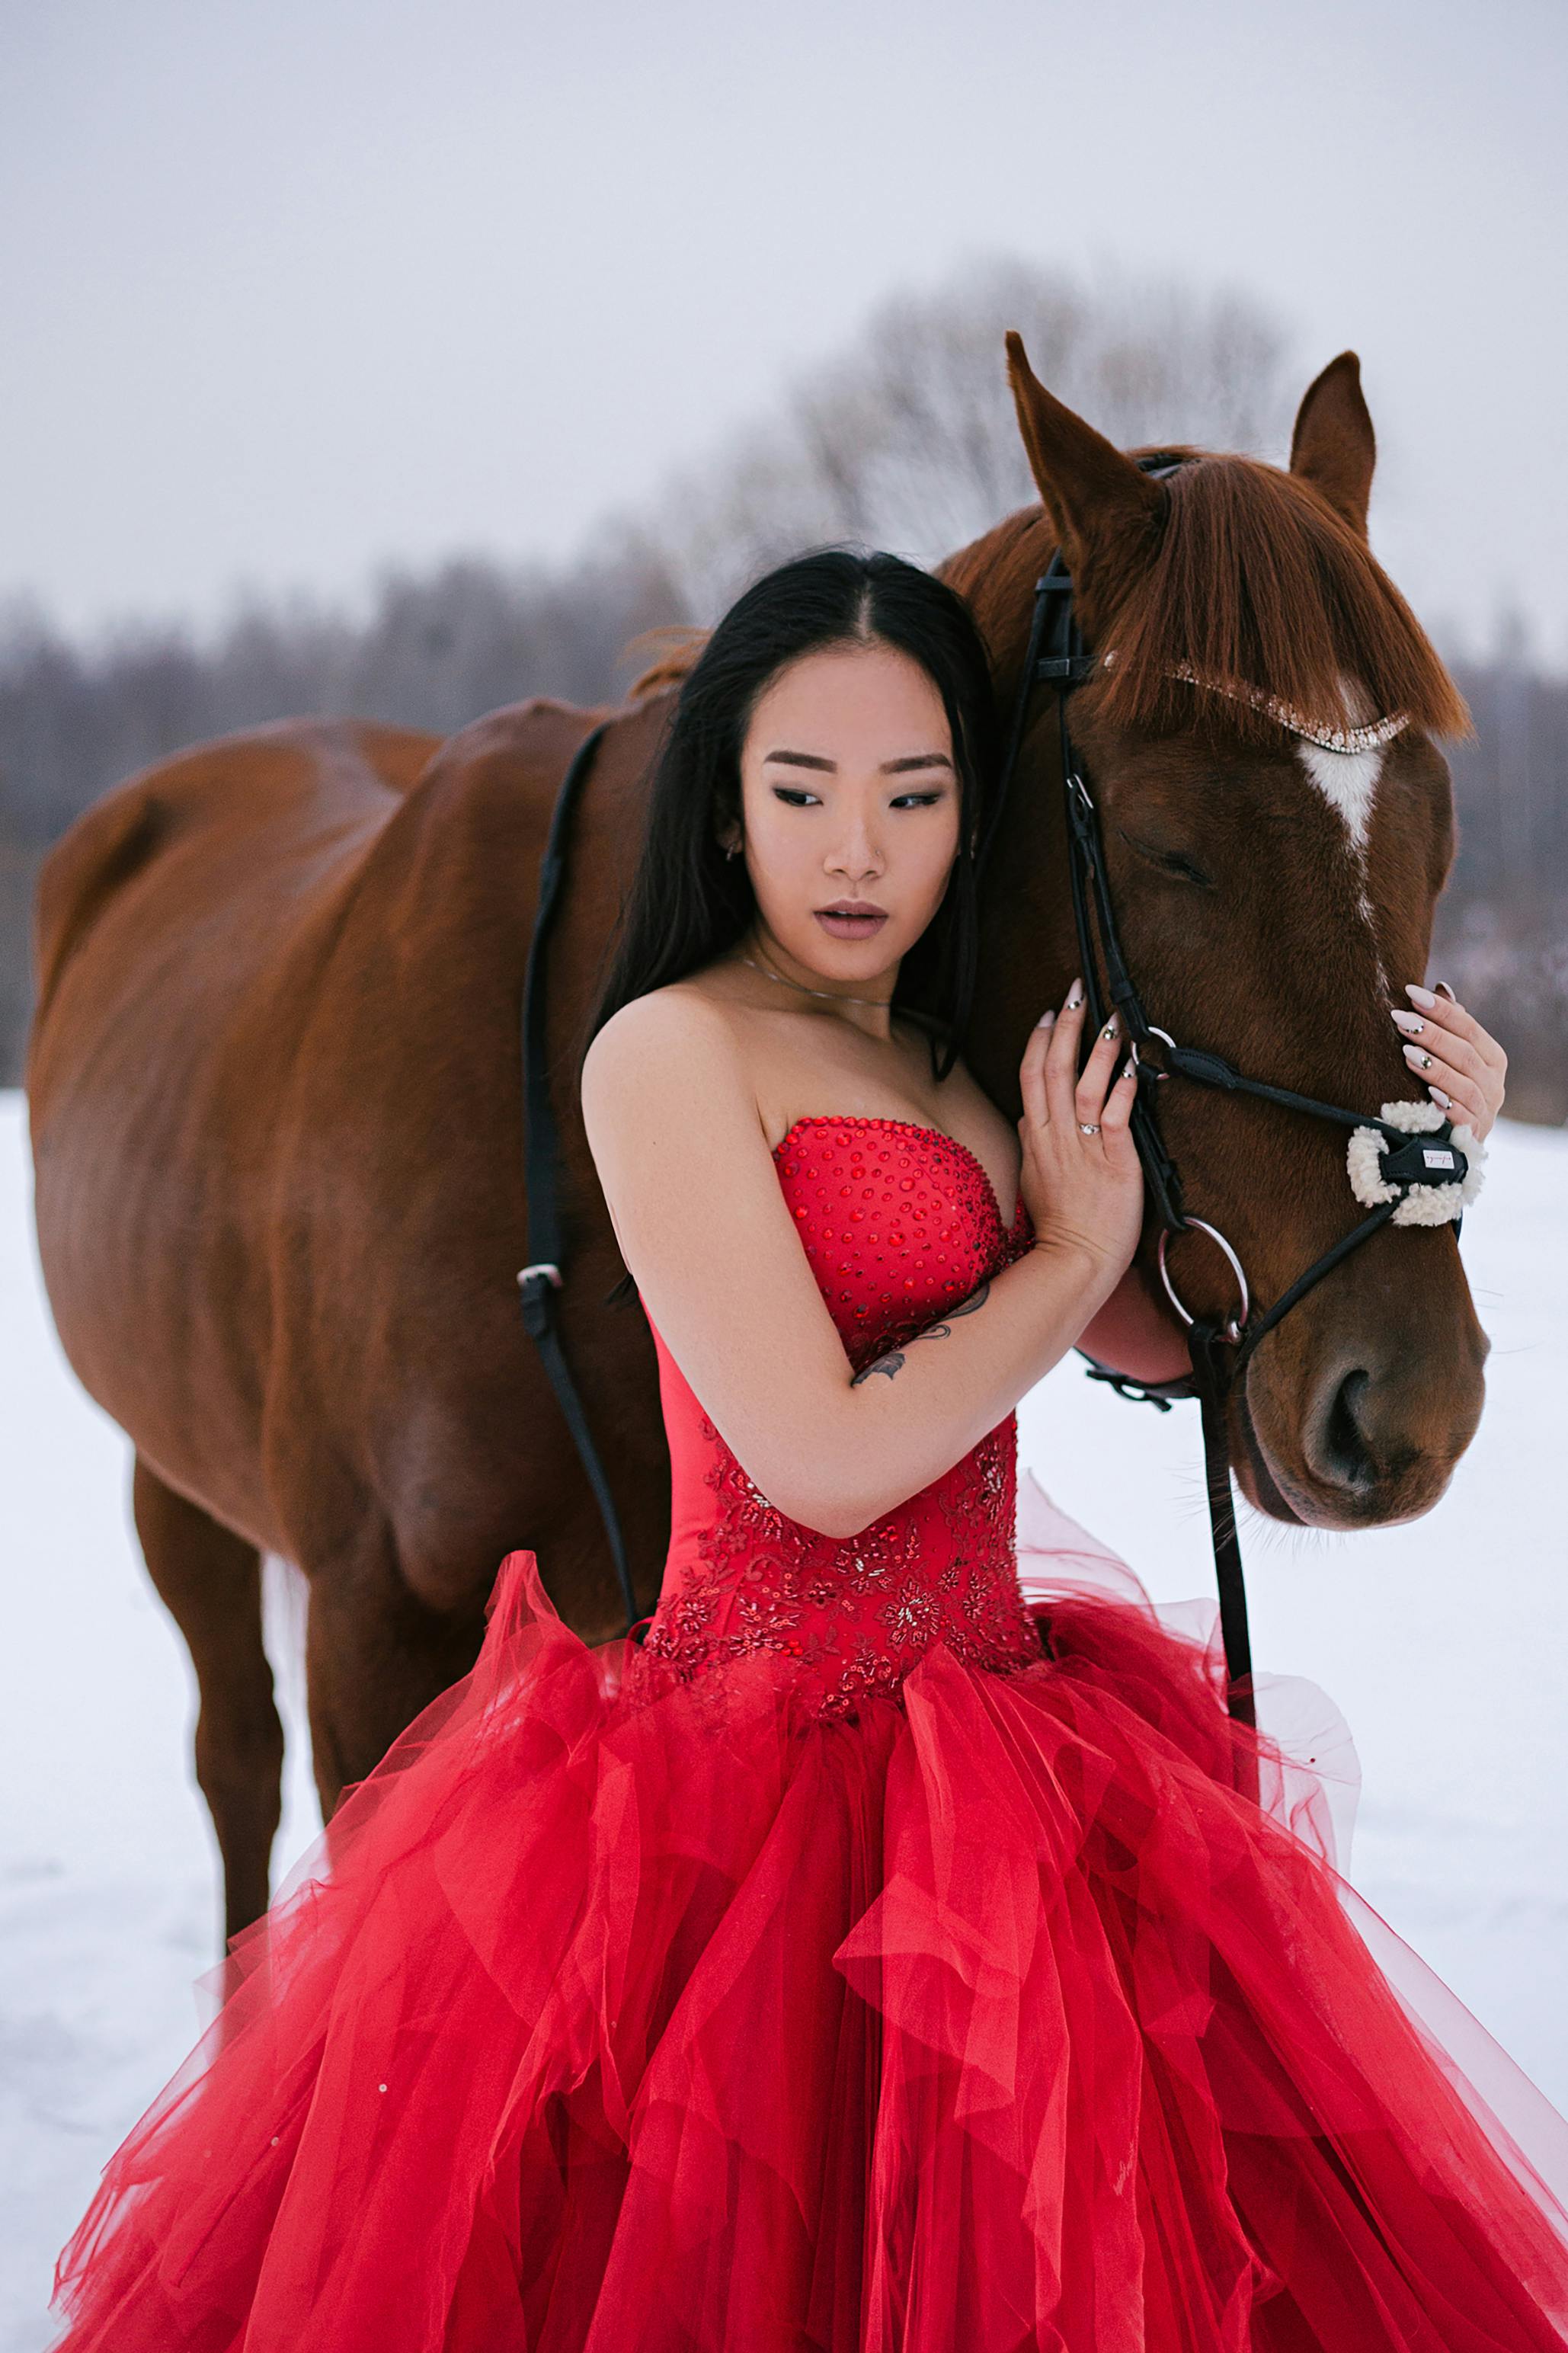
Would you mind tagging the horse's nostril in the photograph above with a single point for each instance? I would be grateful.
(1346, 1456)
(1368, 1433)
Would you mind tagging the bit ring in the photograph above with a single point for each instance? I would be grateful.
(1089, 1127)
(1237, 1326)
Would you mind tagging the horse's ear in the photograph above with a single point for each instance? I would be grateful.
(1102, 507)
(1333, 446)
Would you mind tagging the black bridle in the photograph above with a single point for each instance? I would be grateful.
(1220, 1353)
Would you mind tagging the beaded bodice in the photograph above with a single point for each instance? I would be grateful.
(899, 1222)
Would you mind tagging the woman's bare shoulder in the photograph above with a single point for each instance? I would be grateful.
(675, 1048)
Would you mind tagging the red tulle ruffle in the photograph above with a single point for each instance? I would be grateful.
(608, 2018)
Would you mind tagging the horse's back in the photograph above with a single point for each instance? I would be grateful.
(272, 801)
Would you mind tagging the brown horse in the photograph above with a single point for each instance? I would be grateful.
(276, 1113)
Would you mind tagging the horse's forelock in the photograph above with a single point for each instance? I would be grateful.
(1258, 585)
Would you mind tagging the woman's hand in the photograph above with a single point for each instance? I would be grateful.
(1464, 1067)
(1079, 1179)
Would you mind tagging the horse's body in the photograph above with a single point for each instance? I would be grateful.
(277, 1122)
(276, 1111)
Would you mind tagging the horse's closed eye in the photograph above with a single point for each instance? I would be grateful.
(1175, 862)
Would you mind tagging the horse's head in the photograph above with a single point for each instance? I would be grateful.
(1273, 895)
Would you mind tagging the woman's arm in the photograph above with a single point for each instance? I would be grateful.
(1137, 1332)
(704, 1228)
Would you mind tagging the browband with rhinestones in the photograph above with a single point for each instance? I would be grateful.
(1332, 739)
(1368, 738)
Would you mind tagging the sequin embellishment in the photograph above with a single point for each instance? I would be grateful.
(899, 1222)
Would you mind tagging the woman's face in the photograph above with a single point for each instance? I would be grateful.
(849, 800)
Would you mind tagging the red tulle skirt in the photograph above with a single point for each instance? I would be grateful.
(619, 2017)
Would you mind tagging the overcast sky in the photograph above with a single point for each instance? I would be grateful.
(292, 288)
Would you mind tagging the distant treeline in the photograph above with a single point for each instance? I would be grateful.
(1502, 923)
(438, 652)
(433, 653)
(904, 439)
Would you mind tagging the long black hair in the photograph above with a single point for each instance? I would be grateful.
(687, 901)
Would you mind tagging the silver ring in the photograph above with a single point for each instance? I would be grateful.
(1089, 1127)
(1136, 1059)
(1234, 1329)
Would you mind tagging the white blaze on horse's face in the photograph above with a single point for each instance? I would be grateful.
(1345, 765)
(1346, 773)
(1348, 782)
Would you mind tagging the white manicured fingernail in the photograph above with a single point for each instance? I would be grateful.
(1421, 996)
(1444, 990)
(1440, 1099)
(1046, 1021)
(1416, 1059)
(1411, 1023)
(1075, 997)
(1112, 1027)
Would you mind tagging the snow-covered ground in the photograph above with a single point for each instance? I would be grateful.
(1444, 1643)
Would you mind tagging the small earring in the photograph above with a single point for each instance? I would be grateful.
(731, 851)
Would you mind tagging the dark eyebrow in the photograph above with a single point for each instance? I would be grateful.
(889, 769)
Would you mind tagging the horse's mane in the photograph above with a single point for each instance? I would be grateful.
(679, 648)
(1257, 584)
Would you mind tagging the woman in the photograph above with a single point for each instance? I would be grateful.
(869, 1958)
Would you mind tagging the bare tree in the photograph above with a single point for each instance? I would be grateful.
(906, 438)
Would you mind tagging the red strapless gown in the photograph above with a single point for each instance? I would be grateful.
(874, 1958)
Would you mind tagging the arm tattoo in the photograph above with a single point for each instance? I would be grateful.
(892, 1361)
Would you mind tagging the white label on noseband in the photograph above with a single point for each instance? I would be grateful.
(1421, 1204)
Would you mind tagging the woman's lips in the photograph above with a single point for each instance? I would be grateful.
(848, 927)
